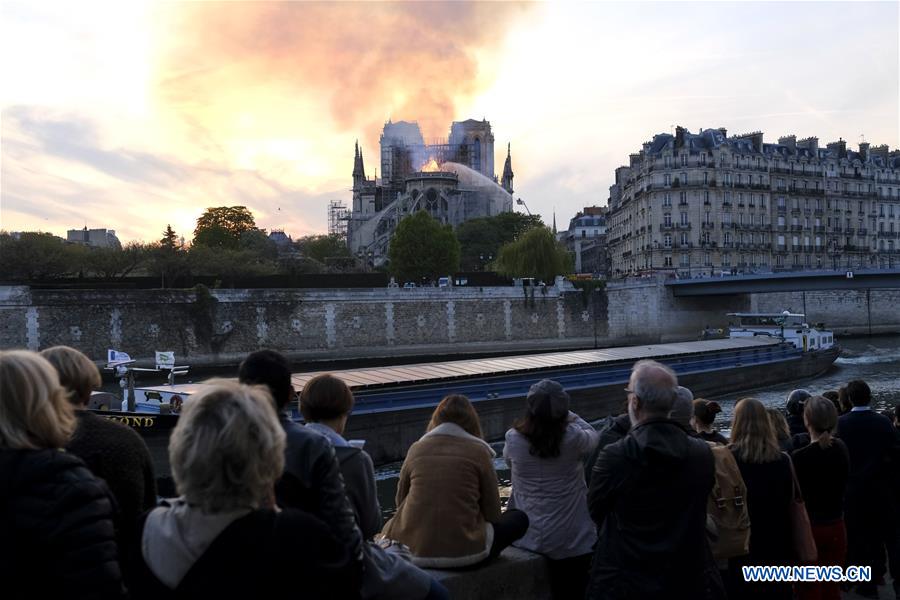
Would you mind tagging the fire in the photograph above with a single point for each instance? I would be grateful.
(431, 166)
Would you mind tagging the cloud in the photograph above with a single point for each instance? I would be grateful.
(354, 63)
(58, 174)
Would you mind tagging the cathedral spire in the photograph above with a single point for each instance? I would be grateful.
(554, 221)
(359, 171)
(506, 182)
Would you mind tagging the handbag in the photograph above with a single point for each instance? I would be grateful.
(805, 550)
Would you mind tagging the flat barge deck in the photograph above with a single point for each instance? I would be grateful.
(394, 404)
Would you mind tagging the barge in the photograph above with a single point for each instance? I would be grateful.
(394, 404)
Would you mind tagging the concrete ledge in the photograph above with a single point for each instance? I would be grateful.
(514, 575)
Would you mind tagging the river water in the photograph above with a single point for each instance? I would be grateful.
(876, 360)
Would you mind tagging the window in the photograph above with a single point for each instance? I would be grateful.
(705, 178)
(667, 261)
(707, 259)
(726, 260)
(667, 241)
(684, 239)
(667, 179)
(667, 219)
(706, 197)
(703, 158)
(684, 218)
(781, 220)
(685, 260)
(684, 160)
(667, 199)
(706, 218)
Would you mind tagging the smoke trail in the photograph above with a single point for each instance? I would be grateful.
(364, 61)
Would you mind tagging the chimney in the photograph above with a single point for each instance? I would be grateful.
(679, 137)
(790, 141)
(723, 131)
(864, 151)
(811, 144)
(840, 147)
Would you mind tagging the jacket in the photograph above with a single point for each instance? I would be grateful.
(185, 553)
(56, 527)
(312, 482)
(648, 495)
(552, 492)
(613, 429)
(872, 442)
(447, 497)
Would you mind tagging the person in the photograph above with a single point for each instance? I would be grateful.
(794, 407)
(56, 526)
(844, 401)
(648, 496)
(766, 471)
(781, 429)
(312, 478)
(112, 451)
(822, 469)
(683, 409)
(224, 537)
(613, 429)
(545, 450)
(871, 440)
(835, 398)
(448, 502)
(326, 403)
(705, 412)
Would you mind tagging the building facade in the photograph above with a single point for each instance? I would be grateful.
(586, 240)
(94, 238)
(704, 204)
(452, 179)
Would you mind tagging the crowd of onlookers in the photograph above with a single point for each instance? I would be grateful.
(652, 503)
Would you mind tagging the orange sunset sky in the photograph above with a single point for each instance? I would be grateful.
(132, 115)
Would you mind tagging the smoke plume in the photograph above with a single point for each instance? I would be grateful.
(361, 62)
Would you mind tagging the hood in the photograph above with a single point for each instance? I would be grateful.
(663, 438)
(176, 536)
(452, 429)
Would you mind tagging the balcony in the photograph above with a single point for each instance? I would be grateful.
(707, 225)
(887, 234)
(795, 248)
(849, 231)
(683, 226)
(818, 212)
(781, 248)
(819, 229)
(782, 209)
(666, 227)
(862, 231)
(796, 227)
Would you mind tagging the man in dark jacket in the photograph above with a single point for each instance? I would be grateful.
(613, 429)
(872, 442)
(312, 478)
(648, 495)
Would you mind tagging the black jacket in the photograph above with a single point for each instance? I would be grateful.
(612, 430)
(56, 528)
(872, 442)
(312, 482)
(359, 479)
(261, 555)
(648, 494)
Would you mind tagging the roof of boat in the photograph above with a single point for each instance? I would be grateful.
(781, 314)
(178, 388)
(464, 369)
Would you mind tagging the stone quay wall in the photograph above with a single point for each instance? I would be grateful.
(219, 327)
(645, 311)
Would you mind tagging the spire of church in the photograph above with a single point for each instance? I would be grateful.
(359, 171)
(554, 221)
(506, 182)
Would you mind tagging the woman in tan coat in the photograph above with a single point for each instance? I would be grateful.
(448, 505)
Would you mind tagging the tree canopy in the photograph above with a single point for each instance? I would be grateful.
(222, 226)
(535, 254)
(481, 239)
(324, 248)
(422, 248)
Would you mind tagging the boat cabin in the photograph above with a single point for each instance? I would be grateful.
(788, 326)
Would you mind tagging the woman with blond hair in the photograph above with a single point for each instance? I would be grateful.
(112, 451)
(766, 471)
(448, 504)
(823, 468)
(56, 526)
(224, 537)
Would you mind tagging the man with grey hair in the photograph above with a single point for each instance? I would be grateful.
(648, 497)
(683, 408)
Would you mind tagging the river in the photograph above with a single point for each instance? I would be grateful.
(876, 360)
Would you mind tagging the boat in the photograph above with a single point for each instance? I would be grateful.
(394, 403)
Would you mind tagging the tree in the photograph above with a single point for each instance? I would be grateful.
(113, 263)
(422, 248)
(169, 240)
(168, 260)
(535, 254)
(222, 226)
(35, 256)
(480, 239)
(323, 247)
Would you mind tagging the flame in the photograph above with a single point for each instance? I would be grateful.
(431, 166)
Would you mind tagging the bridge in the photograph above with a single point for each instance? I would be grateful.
(787, 281)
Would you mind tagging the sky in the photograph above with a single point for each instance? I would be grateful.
(135, 115)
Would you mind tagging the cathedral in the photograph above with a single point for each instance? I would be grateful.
(453, 179)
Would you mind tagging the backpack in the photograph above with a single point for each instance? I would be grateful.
(726, 508)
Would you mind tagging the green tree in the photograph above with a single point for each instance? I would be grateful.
(168, 260)
(112, 263)
(480, 239)
(324, 248)
(423, 248)
(535, 254)
(169, 240)
(34, 256)
(222, 226)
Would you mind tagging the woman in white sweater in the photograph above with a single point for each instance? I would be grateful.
(545, 451)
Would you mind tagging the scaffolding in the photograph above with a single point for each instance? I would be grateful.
(338, 215)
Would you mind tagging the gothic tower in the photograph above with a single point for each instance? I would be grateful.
(506, 182)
